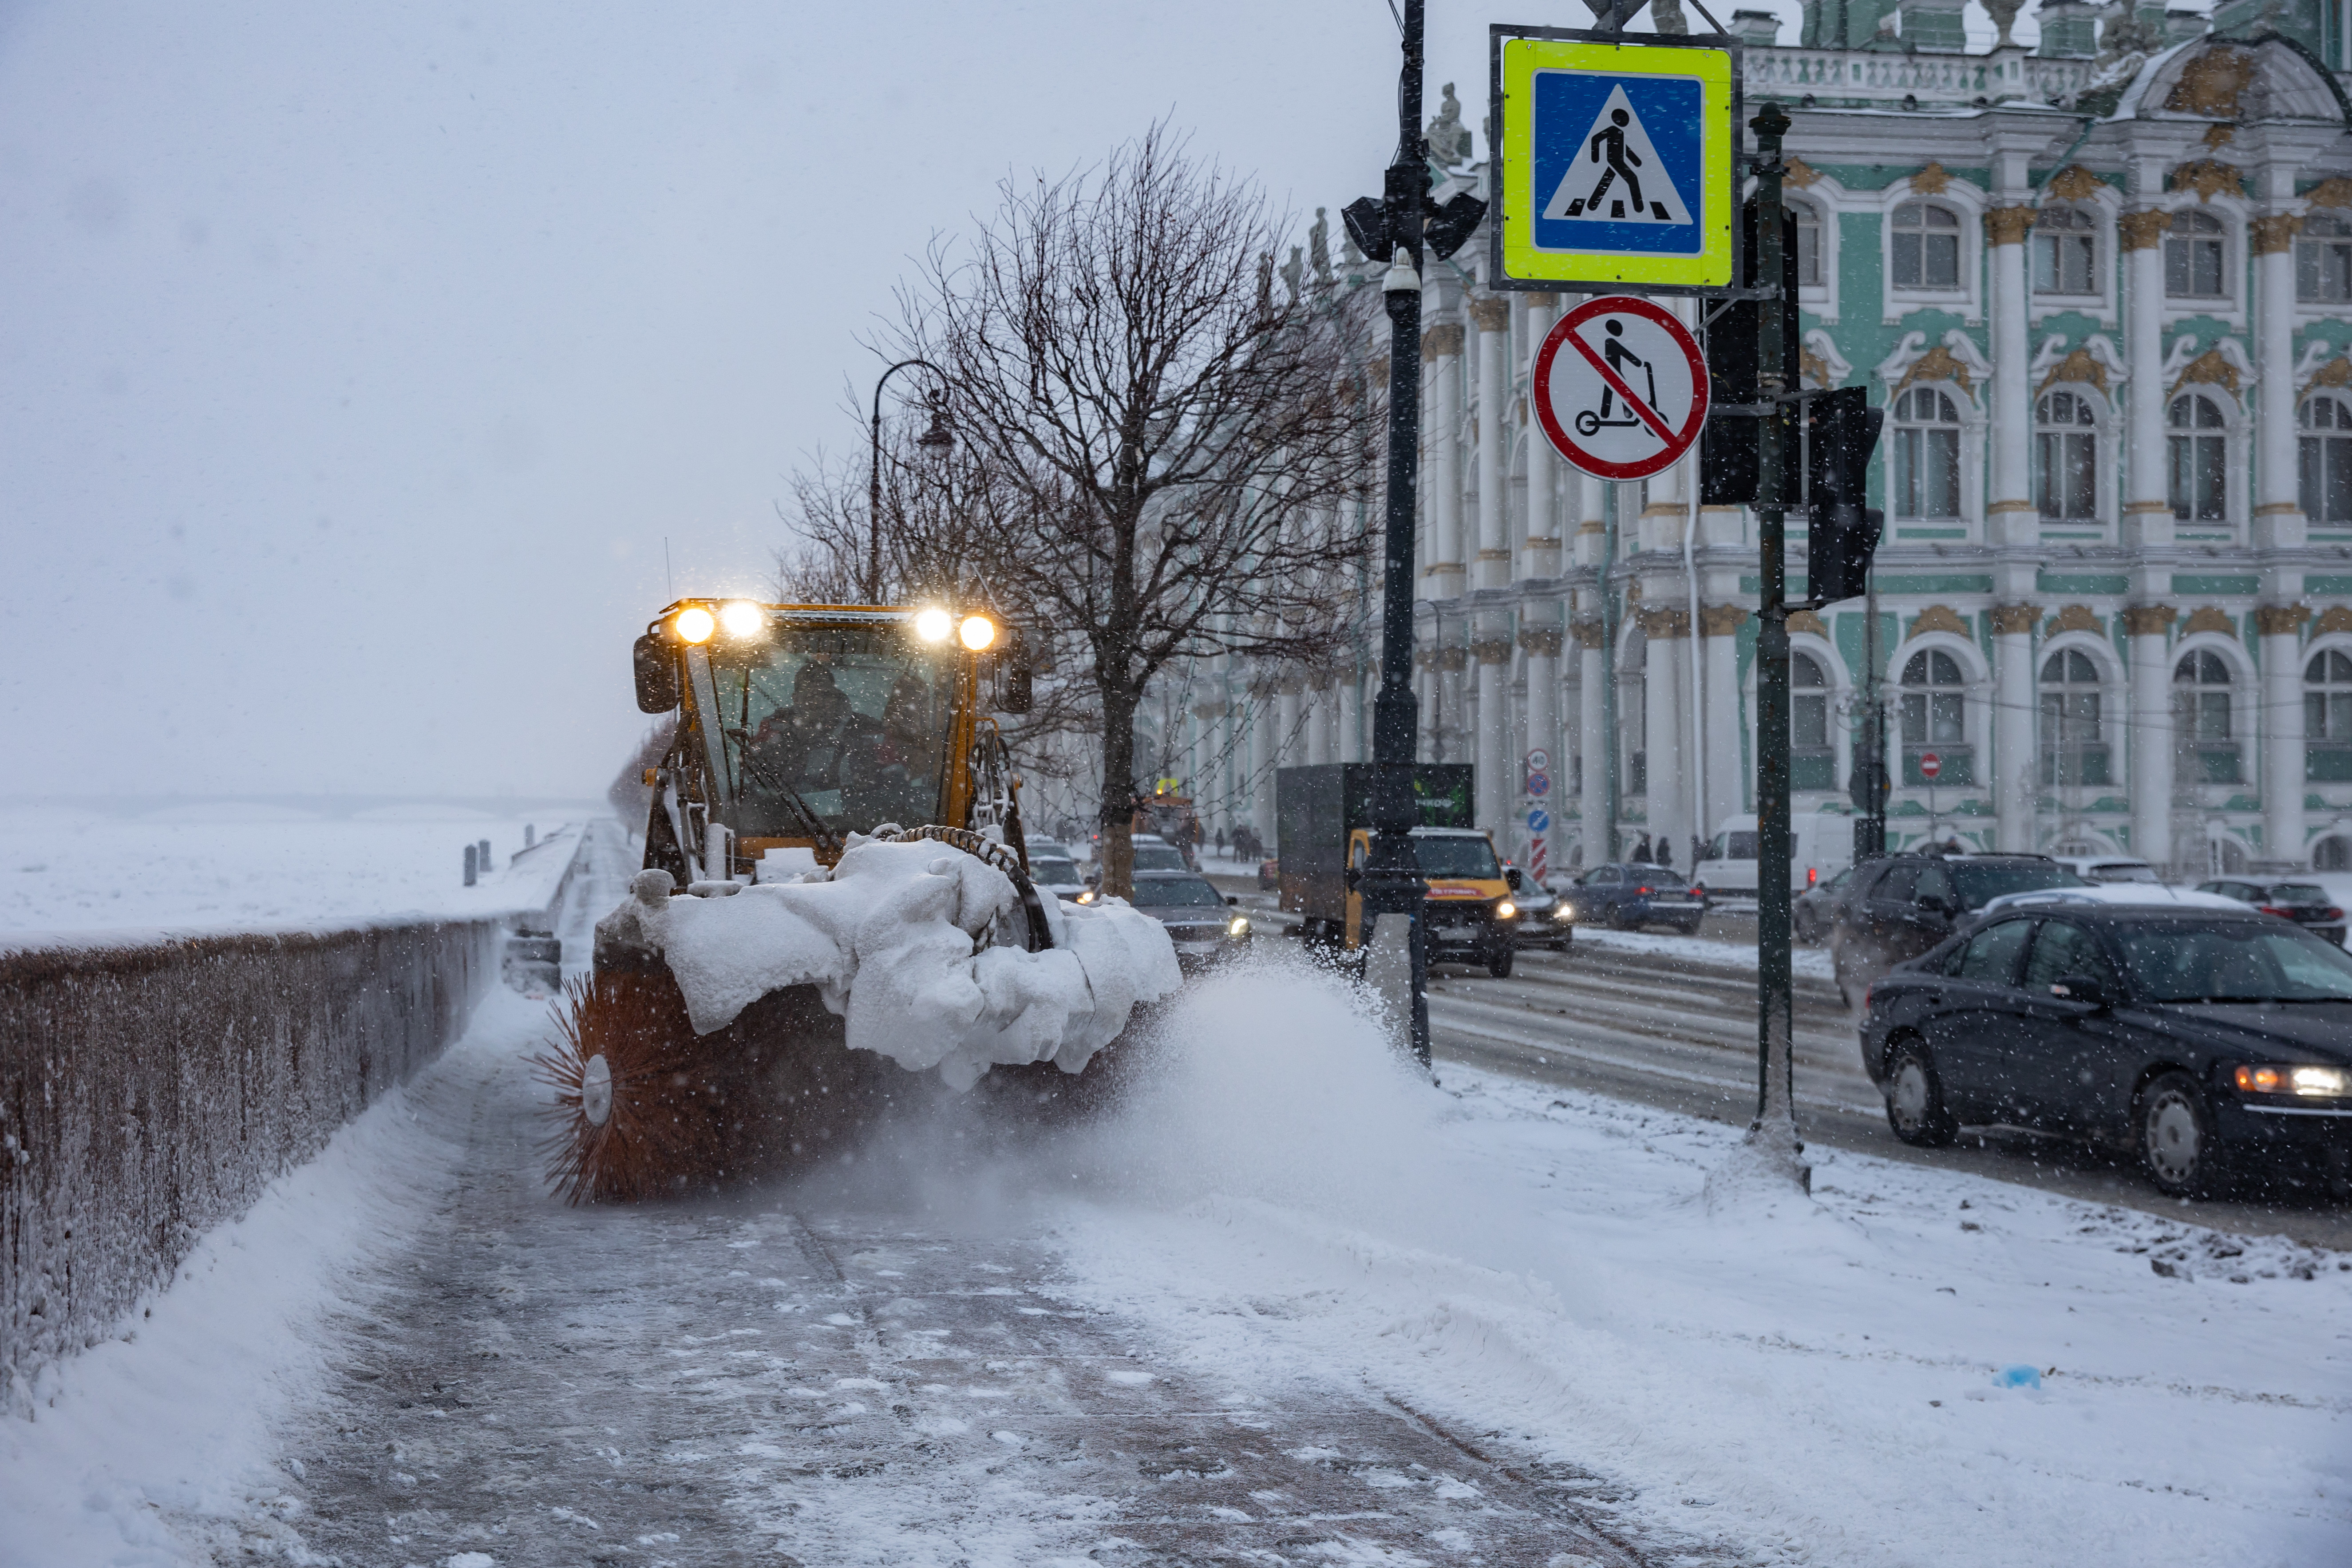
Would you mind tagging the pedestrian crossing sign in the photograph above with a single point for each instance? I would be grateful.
(1613, 162)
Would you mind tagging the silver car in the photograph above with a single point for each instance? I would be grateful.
(1200, 922)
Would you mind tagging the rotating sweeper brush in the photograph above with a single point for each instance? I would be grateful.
(790, 955)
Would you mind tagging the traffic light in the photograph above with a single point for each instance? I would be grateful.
(1840, 433)
(1727, 447)
(1443, 228)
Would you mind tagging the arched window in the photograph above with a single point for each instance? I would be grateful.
(1935, 718)
(2324, 450)
(2323, 260)
(1926, 454)
(2201, 717)
(2328, 717)
(2067, 457)
(2074, 740)
(2332, 854)
(2199, 459)
(1812, 761)
(1809, 242)
(2193, 251)
(2065, 251)
(1927, 245)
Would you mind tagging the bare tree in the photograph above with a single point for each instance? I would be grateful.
(1167, 447)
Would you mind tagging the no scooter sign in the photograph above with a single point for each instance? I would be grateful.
(1621, 387)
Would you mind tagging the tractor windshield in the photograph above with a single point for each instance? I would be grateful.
(851, 719)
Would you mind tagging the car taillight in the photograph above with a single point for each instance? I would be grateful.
(2276, 909)
(2331, 913)
(1868, 992)
(1642, 891)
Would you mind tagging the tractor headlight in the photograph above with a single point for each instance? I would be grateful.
(977, 632)
(742, 619)
(1238, 926)
(1507, 910)
(933, 625)
(695, 624)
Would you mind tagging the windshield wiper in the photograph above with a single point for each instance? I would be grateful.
(825, 837)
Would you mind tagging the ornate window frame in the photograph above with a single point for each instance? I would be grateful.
(1968, 204)
(2232, 305)
(2107, 446)
(2114, 702)
(2247, 732)
(1976, 710)
(2104, 303)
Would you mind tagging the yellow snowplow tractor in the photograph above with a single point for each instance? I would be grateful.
(802, 724)
(835, 898)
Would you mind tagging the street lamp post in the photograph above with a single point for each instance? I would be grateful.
(938, 439)
(1391, 883)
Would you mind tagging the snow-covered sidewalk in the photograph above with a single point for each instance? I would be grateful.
(1280, 1220)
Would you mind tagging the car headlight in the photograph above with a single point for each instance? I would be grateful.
(1564, 913)
(1238, 926)
(1087, 897)
(1506, 909)
(2318, 1082)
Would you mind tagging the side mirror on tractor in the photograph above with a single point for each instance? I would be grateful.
(656, 669)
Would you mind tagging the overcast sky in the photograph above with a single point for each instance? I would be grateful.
(357, 360)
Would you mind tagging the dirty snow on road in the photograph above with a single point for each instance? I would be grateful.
(1290, 1303)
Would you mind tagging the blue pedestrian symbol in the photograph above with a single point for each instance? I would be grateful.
(1615, 160)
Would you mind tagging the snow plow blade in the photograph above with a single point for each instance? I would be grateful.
(730, 1031)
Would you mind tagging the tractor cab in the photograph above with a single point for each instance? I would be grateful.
(801, 724)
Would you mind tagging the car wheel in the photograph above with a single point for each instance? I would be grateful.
(1837, 973)
(1914, 1098)
(2177, 1145)
(1498, 960)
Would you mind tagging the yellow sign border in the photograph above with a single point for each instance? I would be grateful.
(1523, 261)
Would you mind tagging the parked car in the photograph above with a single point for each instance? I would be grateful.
(1820, 843)
(2109, 868)
(1899, 906)
(2305, 903)
(1629, 897)
(1815, 909)
(1543, 914)
(1053, 870)
(2205, 1040)
(1200, 922)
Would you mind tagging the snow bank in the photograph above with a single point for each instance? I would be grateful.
(890, 940)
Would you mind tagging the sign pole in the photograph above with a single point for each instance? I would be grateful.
(1776, 1120)
(1391, 883)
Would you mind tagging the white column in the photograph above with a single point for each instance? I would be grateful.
(2281, 729)
(1664, 684)
(1492, 317)
(1317, 747)
(1441, 358)
(1592, 740)
(1429, 690)
(1289, 737)
(2148, 510)
(1727, 763)
(1351, 747)
(1542, 557)
(2279, 522)
(1264, 757)
(2151, 732)
(2009, 515)
(1493, 781)
(2014, 773)
(1541, 644)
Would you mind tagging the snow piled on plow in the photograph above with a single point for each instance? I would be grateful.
(888, 939)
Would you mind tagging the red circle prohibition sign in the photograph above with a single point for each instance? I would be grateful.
(1630, 401)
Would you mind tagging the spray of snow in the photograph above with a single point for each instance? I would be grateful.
(896, 938)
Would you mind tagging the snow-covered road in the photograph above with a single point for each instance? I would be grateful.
(1289, 1304)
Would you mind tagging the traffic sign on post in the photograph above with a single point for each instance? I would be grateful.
(1930, 764)
(1621, 387)
(1538, 760)
(1613, 159)
(1538, 784)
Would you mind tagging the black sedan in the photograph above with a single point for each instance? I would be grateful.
(1200, 922)
(2203, 1041)
(1627, 898)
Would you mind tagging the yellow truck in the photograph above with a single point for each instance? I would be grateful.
(1322, 820)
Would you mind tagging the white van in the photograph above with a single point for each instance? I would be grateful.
(1823, 847)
